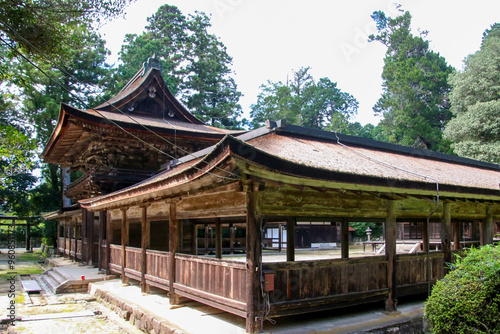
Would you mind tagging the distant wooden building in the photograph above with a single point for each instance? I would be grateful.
(221, 199)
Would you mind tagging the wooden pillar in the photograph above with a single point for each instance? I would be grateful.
(425, 236)
(65, 234)
(71, 236)
(290, 238)
(84, 236)
(345, 238)
(390, 252)
(173, 248)
(195, 239)
(280, 237)
(232, 238)
(145, 244)
(218, 239)
(102, 233)
(207, 230)
(90, 238)
(488, 229)
(253, 258)
(446, 234)
(125, 241)
(457, 232)
(109, 239)
(28, 234)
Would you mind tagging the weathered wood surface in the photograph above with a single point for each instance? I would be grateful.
(412, 271)
(115, 258)
(61, 244)
(214, 276)
(157, 268)
(302, 285)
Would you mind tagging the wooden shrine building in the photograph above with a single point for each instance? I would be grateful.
(125, 140)
(155, 231)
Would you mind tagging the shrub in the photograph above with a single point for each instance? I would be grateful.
(467, 299)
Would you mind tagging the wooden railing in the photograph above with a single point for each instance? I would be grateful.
(214, 282)
(322, 284)
(157, 268)
(133, 262)
(79, 249)
(60, 244)
(73, 244)
(412, 271)
(115, 258)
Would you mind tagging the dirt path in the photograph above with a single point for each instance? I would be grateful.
(47, 313)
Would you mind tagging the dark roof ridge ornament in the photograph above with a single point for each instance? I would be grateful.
(152, 62)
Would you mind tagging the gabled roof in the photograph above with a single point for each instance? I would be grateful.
(300, 156)
(145, 104)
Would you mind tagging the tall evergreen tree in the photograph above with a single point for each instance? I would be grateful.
(195, 63)
(475, 101)
(414, 102)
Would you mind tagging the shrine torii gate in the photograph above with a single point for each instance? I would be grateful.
(13, 223)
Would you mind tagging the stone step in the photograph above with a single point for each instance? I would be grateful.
(47, 283)
(56, 275)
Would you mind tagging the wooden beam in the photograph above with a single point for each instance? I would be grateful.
(145, 244)
(390, 252)
(173, 248)
(125, 241)
(253, 257)
(345, 238)
(290, 239)
(446, 234)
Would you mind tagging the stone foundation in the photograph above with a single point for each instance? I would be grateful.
(142, 319)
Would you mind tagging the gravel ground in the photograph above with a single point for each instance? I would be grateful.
(63, 313)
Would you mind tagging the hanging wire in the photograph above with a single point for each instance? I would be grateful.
(103, 116)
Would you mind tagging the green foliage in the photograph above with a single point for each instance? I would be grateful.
(195, 63)
(377, 229)
(467, 299)
(475, 129)
(319, 105)
(414, 102)
(45, 26)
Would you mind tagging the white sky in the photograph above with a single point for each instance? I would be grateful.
(269, 39)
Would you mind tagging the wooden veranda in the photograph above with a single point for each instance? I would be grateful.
(149, 232)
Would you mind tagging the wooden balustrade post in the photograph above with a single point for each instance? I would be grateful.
(390, 252)
(125, 242)
(145, 244)
(173, 248)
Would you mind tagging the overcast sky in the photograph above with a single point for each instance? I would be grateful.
(269, 39)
